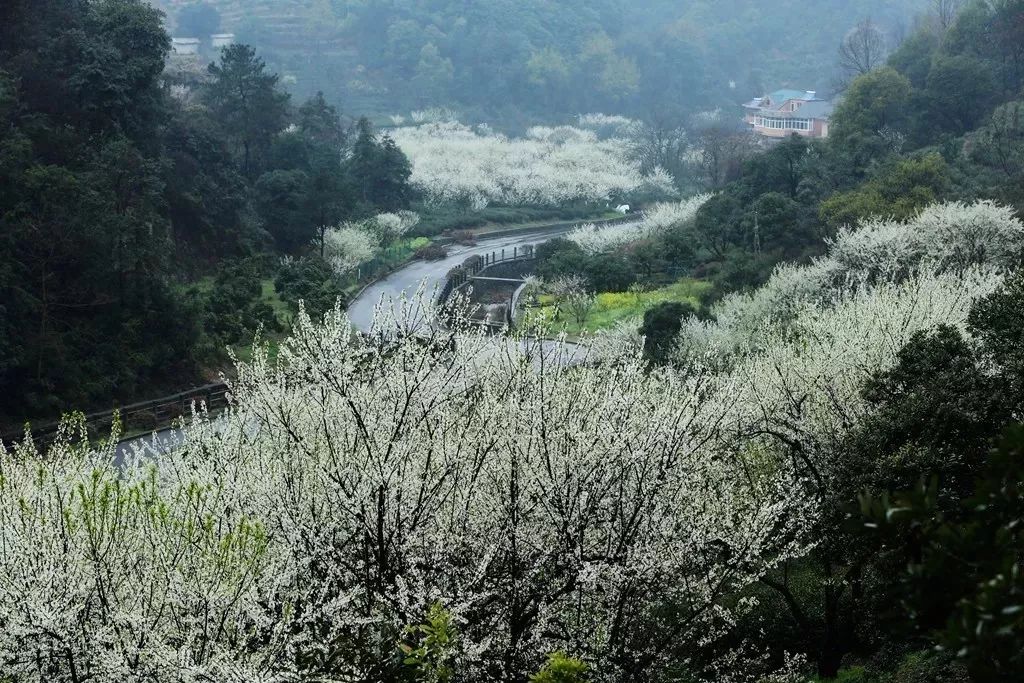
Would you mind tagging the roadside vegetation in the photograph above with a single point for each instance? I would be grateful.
(554, 306)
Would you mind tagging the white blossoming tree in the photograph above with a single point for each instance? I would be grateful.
(655, 221)
(546, 506)
(541, 499)
(348, 246)
(393, 226)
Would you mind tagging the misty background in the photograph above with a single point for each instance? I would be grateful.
(519, 62)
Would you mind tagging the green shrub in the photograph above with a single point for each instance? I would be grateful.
(661, 326)
(560, 668)
(310, 280)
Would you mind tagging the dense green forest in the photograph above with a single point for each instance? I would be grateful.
(514, 63)
(137, 227)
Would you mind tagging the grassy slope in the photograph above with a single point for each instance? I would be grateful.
(614, 307)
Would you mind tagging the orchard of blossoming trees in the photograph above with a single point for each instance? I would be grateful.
(453, 163)
(803, 463)
(606, 510)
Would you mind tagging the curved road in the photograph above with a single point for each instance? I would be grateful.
(430, 274)
(404, 281)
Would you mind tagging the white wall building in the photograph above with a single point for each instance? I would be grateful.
(185, 46)
(221, 40)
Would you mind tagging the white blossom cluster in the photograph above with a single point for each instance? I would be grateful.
(431, 115)
(804, 383)
(453, 163)
(655, 221)
(393, 226)
(951, 237)
(605, 125)
(354, 485)
(348, 246)
(351, 244)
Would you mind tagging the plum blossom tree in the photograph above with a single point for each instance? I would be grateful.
(949, 237)
(348, 246)
(655, 221)
(393, 226)
(353, 243)
(530, 497)
(354, 486)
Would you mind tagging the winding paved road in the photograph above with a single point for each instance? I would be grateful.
(389, 289)
(431, 274)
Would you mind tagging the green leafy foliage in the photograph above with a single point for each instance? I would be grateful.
(661, 327)
(431, 646)
(603, 272)
(311, 281)
(233, 306)
(965, 577)
(874, 101)
(378, 170)
(86, 237)
(246, 102)
(898, 190)
(561, 668)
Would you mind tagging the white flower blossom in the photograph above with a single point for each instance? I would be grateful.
(543, 498)
(348, 246)
(392, 226)
(453, 163)
(654, 222)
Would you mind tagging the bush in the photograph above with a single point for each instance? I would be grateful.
(463, 237)
(661, 327)
(432, 252)
(312, 281)
(232, 306)
(561, 258)
(560, 668)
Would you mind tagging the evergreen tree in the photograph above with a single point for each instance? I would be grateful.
(247, 104)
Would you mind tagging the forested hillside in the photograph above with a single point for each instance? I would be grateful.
(138, 227)
(517, 62)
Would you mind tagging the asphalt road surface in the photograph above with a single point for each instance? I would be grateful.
(432, 273)
(389, 290)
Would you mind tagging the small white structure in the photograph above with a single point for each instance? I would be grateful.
(185, 46)
(222, 40)
(622, 208)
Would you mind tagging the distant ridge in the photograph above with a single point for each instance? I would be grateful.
(286, 24)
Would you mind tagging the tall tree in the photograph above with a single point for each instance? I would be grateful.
(874, 101)
(378, 170)
(245, 101)
(862, 50)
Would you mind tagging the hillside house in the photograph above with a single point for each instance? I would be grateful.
(785, 112)
(219, 41)
(184, 47)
